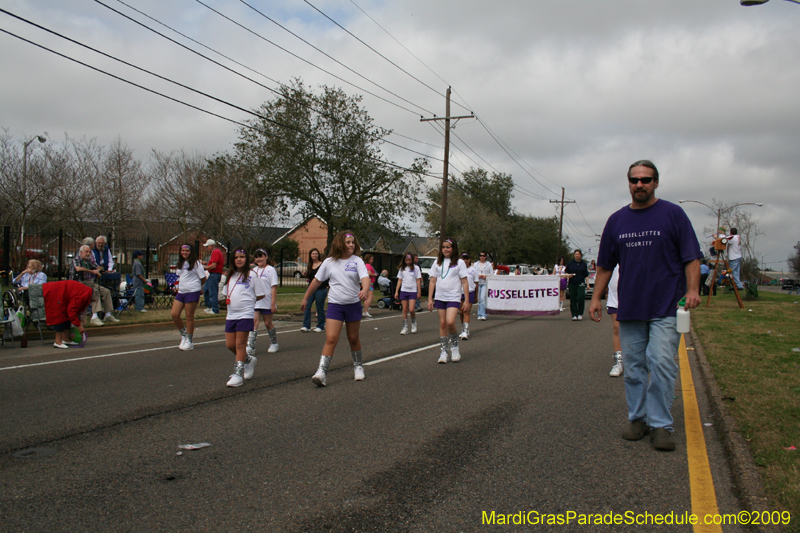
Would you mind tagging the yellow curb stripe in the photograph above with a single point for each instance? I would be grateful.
(701, 483)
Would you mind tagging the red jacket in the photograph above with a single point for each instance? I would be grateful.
(65, 300)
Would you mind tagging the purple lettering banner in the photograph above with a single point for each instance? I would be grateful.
(522, 295)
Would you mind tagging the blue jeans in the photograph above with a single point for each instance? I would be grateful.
(211, 291)
(319, 298)
(482, 289)
(736, 268)
(138, 297)
(649, 347)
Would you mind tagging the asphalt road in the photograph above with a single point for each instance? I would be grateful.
(528, 421)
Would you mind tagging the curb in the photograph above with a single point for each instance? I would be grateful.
(746, 477)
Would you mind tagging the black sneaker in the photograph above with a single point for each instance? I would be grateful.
(662, 439)
(636, 431)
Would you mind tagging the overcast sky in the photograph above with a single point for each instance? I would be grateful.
(577, 90)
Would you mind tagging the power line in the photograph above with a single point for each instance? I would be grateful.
(329, 56)
(584, 219)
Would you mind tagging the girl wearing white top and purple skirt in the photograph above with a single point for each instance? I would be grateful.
(349, 286)
(408, 291)
(191, 278)
(448, 281)
(267, 306)
(242, 290)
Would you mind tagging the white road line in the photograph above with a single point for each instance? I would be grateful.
(173, 347)
(375, 362)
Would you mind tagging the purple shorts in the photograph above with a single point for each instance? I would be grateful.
(345, 313)
(563, 284)
(611, 310)
(438, 304)
(264, 311)
(473, 297)
(187, 298)
(243, 324)
(408, 295)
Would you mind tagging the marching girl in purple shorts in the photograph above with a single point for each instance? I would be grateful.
(266, 307)
(191, 278)
(349, 286)
(409, 290)
(242, 290)
(448, 278)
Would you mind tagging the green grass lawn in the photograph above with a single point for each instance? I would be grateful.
(755, 356)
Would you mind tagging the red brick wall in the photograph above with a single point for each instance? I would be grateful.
(313, 234)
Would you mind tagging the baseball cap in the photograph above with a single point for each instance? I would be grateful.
(210, 242)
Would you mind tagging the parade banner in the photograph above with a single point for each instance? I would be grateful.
(522, 295)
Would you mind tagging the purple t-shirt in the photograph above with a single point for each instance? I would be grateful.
(651, 246)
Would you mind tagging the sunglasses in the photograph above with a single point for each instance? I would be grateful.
(645, 181)
(483, 255)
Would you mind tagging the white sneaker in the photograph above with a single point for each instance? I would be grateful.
(404, 331)
(443, 357)
(366, 315)
(62, 345)
(464, 335)
(413, 327)
(455, 355)
(304, 329)
(319, 378)
(318, 330)
(359, 373)
(616, 370)
(96, 322)
(249, 367)
(111, 318)
(183, 343)
(236, 380)
(574, 318)
(273, 348)
(188, 345)
(580, 317)
(208, 310)
(142, 310)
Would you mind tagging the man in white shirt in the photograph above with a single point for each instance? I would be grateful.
(735, 257)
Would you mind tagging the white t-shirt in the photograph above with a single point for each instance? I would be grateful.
(613, 283)
(344, 278)
(483, 269)
(269, 277)
(734, 247)
(409, 278)
(472, 278)
(243, 293)
(190, 280)
(559, 269)
(448, 280)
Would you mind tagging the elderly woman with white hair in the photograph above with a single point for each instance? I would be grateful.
(84, 269)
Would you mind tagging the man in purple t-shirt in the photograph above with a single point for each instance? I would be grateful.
(658, 254)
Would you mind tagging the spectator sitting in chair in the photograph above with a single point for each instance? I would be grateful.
(102, 254)
(384, 282)
(86, 271)
(32, 274)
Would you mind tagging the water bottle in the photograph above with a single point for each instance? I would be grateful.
(684, 323)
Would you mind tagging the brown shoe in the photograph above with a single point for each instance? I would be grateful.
(662, 439)
(636, 431)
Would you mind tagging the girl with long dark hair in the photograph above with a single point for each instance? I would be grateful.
(191, 278)
(243, 289)
(267, 306)
(448, 280)
(408, 291)
(318, 298)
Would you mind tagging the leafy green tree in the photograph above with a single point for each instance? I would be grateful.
(320, 154)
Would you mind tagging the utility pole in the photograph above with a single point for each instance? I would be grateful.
(447, 118)
(561, 220)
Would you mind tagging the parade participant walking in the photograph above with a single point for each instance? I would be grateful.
(484, 268)
(471, 297)
(243, 289)
(318, 298)
(650, 239)
(348, 281)
(578, 272)
(611, 307)
(215, 266)
(408, 291)
(561, 270)
(191, 278)
(448, 281)
(373, 275)
(267, 306)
